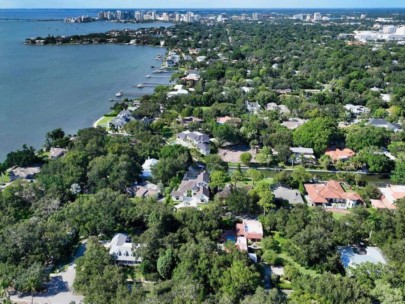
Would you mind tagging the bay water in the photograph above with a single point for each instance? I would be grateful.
(68, 87)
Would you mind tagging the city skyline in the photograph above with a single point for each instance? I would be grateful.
(194, 4)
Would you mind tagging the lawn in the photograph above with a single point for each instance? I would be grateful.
(337, 216)
(4, 178)
(248, 182)
(105, 121)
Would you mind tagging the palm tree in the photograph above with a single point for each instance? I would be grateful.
(373, 221)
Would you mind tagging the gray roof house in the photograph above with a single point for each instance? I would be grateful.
(193, 190)
(27, 173)
(121, 120)
(253, 107)
(302, 155)
(196, 140)
(122, 250)
(382, 123)
(55, 153)
(287, 194)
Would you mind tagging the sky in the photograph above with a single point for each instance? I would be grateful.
(202, 3)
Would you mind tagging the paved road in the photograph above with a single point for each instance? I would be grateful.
(60, 287)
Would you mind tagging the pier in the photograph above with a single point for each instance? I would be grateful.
(149, 85)
(130, 95)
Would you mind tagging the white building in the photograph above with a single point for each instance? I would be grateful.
(317, 17)
(122, 250)
(196, 140)
(193, 190)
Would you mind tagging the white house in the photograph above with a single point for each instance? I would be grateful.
(122, 250)
(193, 190)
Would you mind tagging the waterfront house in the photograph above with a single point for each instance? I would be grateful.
(196, 140)
(27, 173)
(122, 250)
(124, 117)
(332, 195)
(340, 155)
(286, 194)
(390, 194)
(193, 190)
(56, 153)
(302, 155)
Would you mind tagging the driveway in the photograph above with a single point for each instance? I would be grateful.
(59, 288)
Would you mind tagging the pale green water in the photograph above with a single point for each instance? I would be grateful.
(45, 87)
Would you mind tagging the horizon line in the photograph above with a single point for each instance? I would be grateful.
(199, 8)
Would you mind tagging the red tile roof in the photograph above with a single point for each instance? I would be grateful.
(321, 193)
(338, 154)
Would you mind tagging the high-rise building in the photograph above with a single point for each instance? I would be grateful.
(298, 17)
(153, 14)
(256, 16)
(165, 17)
(139, 16)
(120, 15)
(177, 17)
(317, 17)
(100, 15)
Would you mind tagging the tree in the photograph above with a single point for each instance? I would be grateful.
(245, 158)
(300, 176)
(261, 296)
(254, 175)
(165, 264)
(218, 179)
(56, 138)
(239, 280)
(265, 156)
(360, 137)
(236, 176)
(318, 133)
(398, 175)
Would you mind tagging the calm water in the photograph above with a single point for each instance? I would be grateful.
(45, 87)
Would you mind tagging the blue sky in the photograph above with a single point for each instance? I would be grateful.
(201, 3)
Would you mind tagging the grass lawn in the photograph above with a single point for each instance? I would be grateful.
(105, 121)
(337, 216)
(248, 182)
(4, 178)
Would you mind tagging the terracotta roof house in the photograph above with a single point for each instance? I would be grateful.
(332, 195)
(338, 154)
(225, 119)
(252, 230)
(192, 191)
(390, 195)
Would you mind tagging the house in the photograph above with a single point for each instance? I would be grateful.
(122, 250)
(121, 120)
(302, 155)
(286, 194)
(390, 194)
(186, 121)
(341, 155)
(178, 90)
(246, 90)
(382, 123)
(193, 190)
(147, 167)
(252, 230)
(201, 59)
(56, 153)
(253, 107)
(293, 123)
(356, 110)
(27, 173)
(282, 109)
(353, 256)
(225, 119)
(146, 189)
(332, 195)
(196, 140)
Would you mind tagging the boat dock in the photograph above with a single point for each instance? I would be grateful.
(132, 94)
(148, 85)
